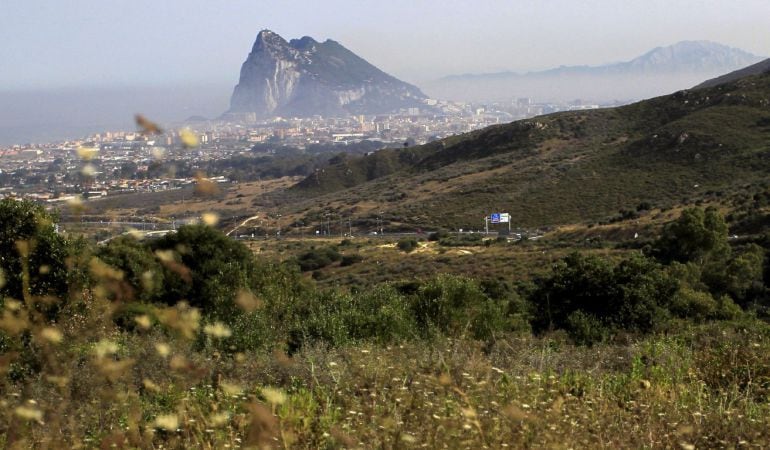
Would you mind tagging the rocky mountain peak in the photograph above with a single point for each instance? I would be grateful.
(303, 77)
(268, 41)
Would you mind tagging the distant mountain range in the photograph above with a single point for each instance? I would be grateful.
(303, 77)
(659, 71)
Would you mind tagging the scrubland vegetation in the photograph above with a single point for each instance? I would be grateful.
(193, 340)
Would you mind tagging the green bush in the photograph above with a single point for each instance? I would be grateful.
(318, 258)
(349, 260)
(463, 240)
(27, 228)
(585, 329)
(634, 295)
(253, 331)
(695, 305)
(318, 318)
(697, 235)
(457, 306)
(381, 315)
(438, 235)
(407, 244)
(142, 271)
(208, 269)
(126, 313)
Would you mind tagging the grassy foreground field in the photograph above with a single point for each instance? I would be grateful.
(700, 387)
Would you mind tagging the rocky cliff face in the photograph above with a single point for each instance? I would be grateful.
(304, 77)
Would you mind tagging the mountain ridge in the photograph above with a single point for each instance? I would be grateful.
(564, 167)
(656, 72)
(686, 55)
(755, 69)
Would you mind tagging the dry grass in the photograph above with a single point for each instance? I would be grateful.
(154, 390)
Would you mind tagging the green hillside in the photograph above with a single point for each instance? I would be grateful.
(565, 167)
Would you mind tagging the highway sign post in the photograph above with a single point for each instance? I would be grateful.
(497, 218)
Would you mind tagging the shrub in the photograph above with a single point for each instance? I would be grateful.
(585, 329)
(208, 269)
(381, 315)
(438, 235)
(634, 295)
(694, 305)
(349, 260)
(456, 306)
(407, 245)
(315, 259)
(28, 237)
(126, 313)
(696, 236)
(462, 240)
(142, 271)
(319, 318)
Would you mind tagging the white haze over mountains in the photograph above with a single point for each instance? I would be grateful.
(660, 71)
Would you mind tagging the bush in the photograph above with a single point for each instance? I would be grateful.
(456, 306)
(407, 245)
(696, 236)
(634, 295)
(142, 272)
(695, 305)
(126, 313)
(463, 240)
(208, 269)
(438, 235)
(315, 259)
(381, 315)
(585, 329)
(27, 232)
(349, 260)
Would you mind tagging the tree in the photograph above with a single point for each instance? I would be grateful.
(30, 246)
(740, 276)
(141, 269)
(587, 291)
(407, 245)
(456, 305)
(697, 236)
(206, 268)
(577, 282)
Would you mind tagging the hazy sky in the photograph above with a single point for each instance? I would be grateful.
(54, 43)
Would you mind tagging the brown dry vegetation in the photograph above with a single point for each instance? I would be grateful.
(703, 387)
